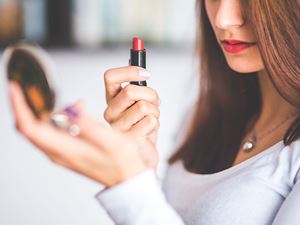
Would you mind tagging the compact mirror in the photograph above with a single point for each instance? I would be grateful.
(31, 67)
(24, 66)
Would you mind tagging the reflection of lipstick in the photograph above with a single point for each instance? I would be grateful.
(138, 57)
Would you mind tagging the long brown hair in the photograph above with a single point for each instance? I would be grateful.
(229, 103)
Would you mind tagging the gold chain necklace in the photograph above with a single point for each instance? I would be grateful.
(250, 143)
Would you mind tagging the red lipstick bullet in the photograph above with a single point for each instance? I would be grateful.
(137, 44)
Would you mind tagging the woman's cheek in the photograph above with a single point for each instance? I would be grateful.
(211, 8)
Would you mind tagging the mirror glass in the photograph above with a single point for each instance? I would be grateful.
(25, 68)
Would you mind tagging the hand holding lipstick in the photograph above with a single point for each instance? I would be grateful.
(133, 109)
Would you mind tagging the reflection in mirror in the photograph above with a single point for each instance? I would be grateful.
(26, 70)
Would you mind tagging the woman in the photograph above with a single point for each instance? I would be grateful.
(240, 161)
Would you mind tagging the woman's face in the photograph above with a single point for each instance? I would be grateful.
(234, 35)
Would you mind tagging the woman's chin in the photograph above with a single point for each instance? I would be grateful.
(245, 66)
(248, 61)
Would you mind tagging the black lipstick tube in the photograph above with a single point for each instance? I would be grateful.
(138, 58)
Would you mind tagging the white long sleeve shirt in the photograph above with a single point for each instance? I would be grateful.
(263, 190)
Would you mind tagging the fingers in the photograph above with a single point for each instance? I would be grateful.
(120, 154)
(95, 132)
(150, 155)
(74, 153)
(145, 126)
(113, 78)
(25, 119)
(153, 137)
(126, 98)
(134, 114)
(119, 147)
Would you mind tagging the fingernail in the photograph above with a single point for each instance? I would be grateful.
(144, 73)
(71, 112)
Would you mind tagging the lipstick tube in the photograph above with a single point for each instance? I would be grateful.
(138, 58)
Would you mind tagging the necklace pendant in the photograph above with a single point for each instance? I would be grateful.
(248, 146)
(250, 143)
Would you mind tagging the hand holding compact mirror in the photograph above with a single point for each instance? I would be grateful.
(31, 67)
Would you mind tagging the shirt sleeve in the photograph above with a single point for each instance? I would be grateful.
(289, 211)
(138, 201)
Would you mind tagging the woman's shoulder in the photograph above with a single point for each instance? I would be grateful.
(291, 153)
(295, 146)
(280, 163)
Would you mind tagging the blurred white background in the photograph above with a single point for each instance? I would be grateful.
(34, 191)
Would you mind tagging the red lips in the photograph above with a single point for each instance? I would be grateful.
(235, 46)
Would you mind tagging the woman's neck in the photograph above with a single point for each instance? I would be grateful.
(274, 111)
(274, 107)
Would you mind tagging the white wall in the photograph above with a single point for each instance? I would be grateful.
(34, 191)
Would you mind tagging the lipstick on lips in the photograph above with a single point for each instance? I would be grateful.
(235, 46)
(138, 57)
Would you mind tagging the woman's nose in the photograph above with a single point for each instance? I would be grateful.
(229, 14)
